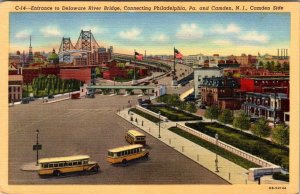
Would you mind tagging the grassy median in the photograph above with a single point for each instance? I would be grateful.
(145, 115)
(220, 151)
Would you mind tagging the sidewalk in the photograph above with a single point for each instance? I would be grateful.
(227, 169)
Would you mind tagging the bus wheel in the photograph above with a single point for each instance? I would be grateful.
(124, 161)
(56, 173)
(146, 155)
(95, 169)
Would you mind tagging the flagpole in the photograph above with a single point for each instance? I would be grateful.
(174, 71)
(134, 66)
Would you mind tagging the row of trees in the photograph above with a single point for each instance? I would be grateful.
(271, 66)
(174, 100)
(51, 84)
(261, 128)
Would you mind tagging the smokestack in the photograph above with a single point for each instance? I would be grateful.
(286, 53)
(277, 53)
(281, 54)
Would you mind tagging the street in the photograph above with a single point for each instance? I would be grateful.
(91, 127)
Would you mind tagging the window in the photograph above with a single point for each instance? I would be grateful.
(55, 165)
(80, 162)
(119, 154)
(9, 89)
(50, 165)
(85, 162)
(61, 164)
(46, 165)
(75, 163)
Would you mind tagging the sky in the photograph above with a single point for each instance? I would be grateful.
(157, 33)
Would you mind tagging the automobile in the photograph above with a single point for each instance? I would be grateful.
(90, 95)
(25, 100)
(50, 96)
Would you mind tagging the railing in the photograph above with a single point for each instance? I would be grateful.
(151, 113)
(234, 150)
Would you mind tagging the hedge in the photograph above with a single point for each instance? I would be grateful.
(282, 177)
(172, 113)
(247, 142)
(145, 115)
(216, 149)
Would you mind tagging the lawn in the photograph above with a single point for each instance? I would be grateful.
(173, 114)
(212, 147)
(145, 115)
(249, 143)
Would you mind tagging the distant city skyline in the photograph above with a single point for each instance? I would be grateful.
(157, 33)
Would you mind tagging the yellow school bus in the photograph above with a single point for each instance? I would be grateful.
(126, 153)
(135, 137)
(60, 165)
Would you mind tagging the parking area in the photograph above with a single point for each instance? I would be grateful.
(90, 126)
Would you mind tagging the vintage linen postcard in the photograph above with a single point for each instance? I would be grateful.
(149, 97)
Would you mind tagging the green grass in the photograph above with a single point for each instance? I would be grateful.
(145, 115)
(173, 114)
(42, 92)
(121, 79)
(254, 145)
(212, 147)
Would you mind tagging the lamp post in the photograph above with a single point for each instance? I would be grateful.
(275, 104)
(37, 150)
(216, 161)
(159, 125)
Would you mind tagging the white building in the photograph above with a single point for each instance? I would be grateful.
(195, 60)
(200, 73)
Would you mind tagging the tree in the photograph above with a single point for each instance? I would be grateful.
(173, 100)
(212, 112)
(191, 107)
(225, 116)
(98, 72)
(261, 128)
(242, 121)
(261, 64)
(280, 135)
(277, 67)
(130, 73)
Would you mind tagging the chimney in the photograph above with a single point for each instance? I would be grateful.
(286, 53)
(277, 53)
(281, 54)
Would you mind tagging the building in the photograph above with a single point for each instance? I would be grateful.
(246, 60)
(204, 72)
(263, 105)
(220, 91)
(86, 74)
(266, 84)
(15, 88)
(195, 60)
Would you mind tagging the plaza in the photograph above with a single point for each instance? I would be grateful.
(91, 127)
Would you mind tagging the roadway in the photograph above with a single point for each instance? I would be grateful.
(91, 126)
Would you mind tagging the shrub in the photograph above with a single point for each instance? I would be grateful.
(280, 176)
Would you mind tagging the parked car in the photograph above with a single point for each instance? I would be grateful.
(90, 95)
(50, 96)
(25, 100)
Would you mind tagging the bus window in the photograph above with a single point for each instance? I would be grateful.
(50, 165)
(61, 164)
(85, 162)
(69, 163)
(75, 163)
(119, 154)
(80, 162)
(55, 165)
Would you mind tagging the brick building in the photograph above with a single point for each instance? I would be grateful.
(15, 88)
(86, 74)
(266, 84)
(220, 91)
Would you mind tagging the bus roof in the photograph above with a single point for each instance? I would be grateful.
(128, 147)
(62, 159)
(135, 133)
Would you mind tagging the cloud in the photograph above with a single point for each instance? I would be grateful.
(222, 42)
(49, 31)
(23, 34)
(160, 38)
(94, 29)
(254, 36)
(189, 31)
(131, 34)
(231, 28)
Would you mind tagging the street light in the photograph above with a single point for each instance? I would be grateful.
(216, 161)
(37, 150)
(159, 125)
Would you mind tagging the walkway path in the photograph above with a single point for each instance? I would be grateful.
(227, 169)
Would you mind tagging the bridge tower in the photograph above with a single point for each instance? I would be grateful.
(86, 41)
(66, 45)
